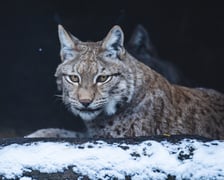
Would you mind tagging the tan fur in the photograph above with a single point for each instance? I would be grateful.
(144, 103)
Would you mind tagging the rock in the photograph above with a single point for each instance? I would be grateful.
(161, 157)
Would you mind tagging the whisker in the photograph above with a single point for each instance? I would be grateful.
(58, 95)
(58, 98)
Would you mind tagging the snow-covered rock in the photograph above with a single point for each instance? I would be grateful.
(162, 157)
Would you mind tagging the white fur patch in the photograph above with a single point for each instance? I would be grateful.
(86, 116)
(110, 107)
(67, 54)
(112, 41)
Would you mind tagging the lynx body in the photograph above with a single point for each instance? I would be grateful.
(118, 96)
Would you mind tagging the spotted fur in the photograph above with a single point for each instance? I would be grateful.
(134, 100)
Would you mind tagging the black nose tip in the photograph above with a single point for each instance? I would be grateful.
(85, 102)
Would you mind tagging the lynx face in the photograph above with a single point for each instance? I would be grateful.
(92, 76)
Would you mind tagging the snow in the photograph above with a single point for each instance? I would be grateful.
(190, 159)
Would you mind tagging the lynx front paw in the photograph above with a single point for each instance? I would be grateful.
(55, 133)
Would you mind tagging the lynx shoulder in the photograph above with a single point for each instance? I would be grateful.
(118, 96)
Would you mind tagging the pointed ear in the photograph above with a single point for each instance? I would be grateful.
(68, 43)
(114, 42)
(140, 41)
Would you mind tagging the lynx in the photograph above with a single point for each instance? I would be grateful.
(118, 96)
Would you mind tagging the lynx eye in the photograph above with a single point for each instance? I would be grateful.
(73, 78)
(103, 78)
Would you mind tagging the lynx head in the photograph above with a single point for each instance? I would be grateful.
(93, 76)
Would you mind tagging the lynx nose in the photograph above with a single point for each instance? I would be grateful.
(85, 102)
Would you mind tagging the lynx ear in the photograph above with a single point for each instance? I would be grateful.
(114, 41)
(68, 43)
(140, 41)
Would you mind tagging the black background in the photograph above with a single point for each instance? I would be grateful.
(188, 34)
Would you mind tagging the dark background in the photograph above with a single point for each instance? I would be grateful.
(189, 34)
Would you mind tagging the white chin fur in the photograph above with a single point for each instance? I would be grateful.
(89, 116)
(86, 116)
(109, 109)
